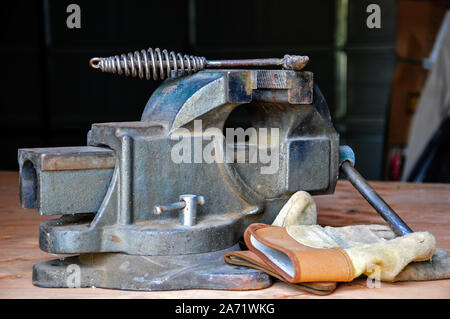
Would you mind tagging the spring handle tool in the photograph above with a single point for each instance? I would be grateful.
(160, 64)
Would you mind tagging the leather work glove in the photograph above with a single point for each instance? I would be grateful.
(300, 253)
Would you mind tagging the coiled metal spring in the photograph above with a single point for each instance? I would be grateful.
(151, 64)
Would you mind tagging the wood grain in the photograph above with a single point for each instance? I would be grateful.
(422, 206)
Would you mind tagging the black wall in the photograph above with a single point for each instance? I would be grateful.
(50, 96)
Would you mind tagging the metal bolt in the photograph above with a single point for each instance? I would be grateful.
(188, 203)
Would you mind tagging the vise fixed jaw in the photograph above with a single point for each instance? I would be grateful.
(106, 191)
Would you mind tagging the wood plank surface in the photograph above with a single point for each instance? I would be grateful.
(422, 206)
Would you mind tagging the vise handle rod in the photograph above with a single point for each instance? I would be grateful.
(161, 64)
(386, 212)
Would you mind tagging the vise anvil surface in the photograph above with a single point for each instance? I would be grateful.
(106, 192)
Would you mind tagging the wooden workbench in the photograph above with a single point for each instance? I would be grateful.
(422, 206)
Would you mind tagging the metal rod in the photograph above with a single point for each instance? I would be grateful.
(388, 214)
(126, 181)
(161, 64)
(189, 216)
(169, 207)
(243, 63)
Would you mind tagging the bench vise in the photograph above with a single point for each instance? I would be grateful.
(142, 206)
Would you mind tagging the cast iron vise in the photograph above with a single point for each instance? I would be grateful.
(141, 219)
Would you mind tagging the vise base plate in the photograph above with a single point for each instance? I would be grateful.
(149, 273)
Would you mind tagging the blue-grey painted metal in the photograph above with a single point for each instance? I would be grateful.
(130, 170)
(130, 272)
(65, 180)
(145, 175)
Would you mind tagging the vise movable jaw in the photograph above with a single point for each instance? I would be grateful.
(108, 192)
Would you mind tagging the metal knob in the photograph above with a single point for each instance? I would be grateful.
(188, 203)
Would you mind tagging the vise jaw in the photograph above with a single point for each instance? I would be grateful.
(108, 192)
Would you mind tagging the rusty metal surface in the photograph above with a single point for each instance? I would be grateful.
(161, 64)
(69, 158)
(65, 180)
(107, 207)
(288, 62)
(121, 200)
(128, 272)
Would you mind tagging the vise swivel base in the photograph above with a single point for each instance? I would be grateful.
(140, 218)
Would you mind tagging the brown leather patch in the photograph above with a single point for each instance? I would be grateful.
(249, 259)
(310, 264)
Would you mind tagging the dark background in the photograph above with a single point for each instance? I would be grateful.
(50, 96)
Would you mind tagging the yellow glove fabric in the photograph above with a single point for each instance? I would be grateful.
(373, 249)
